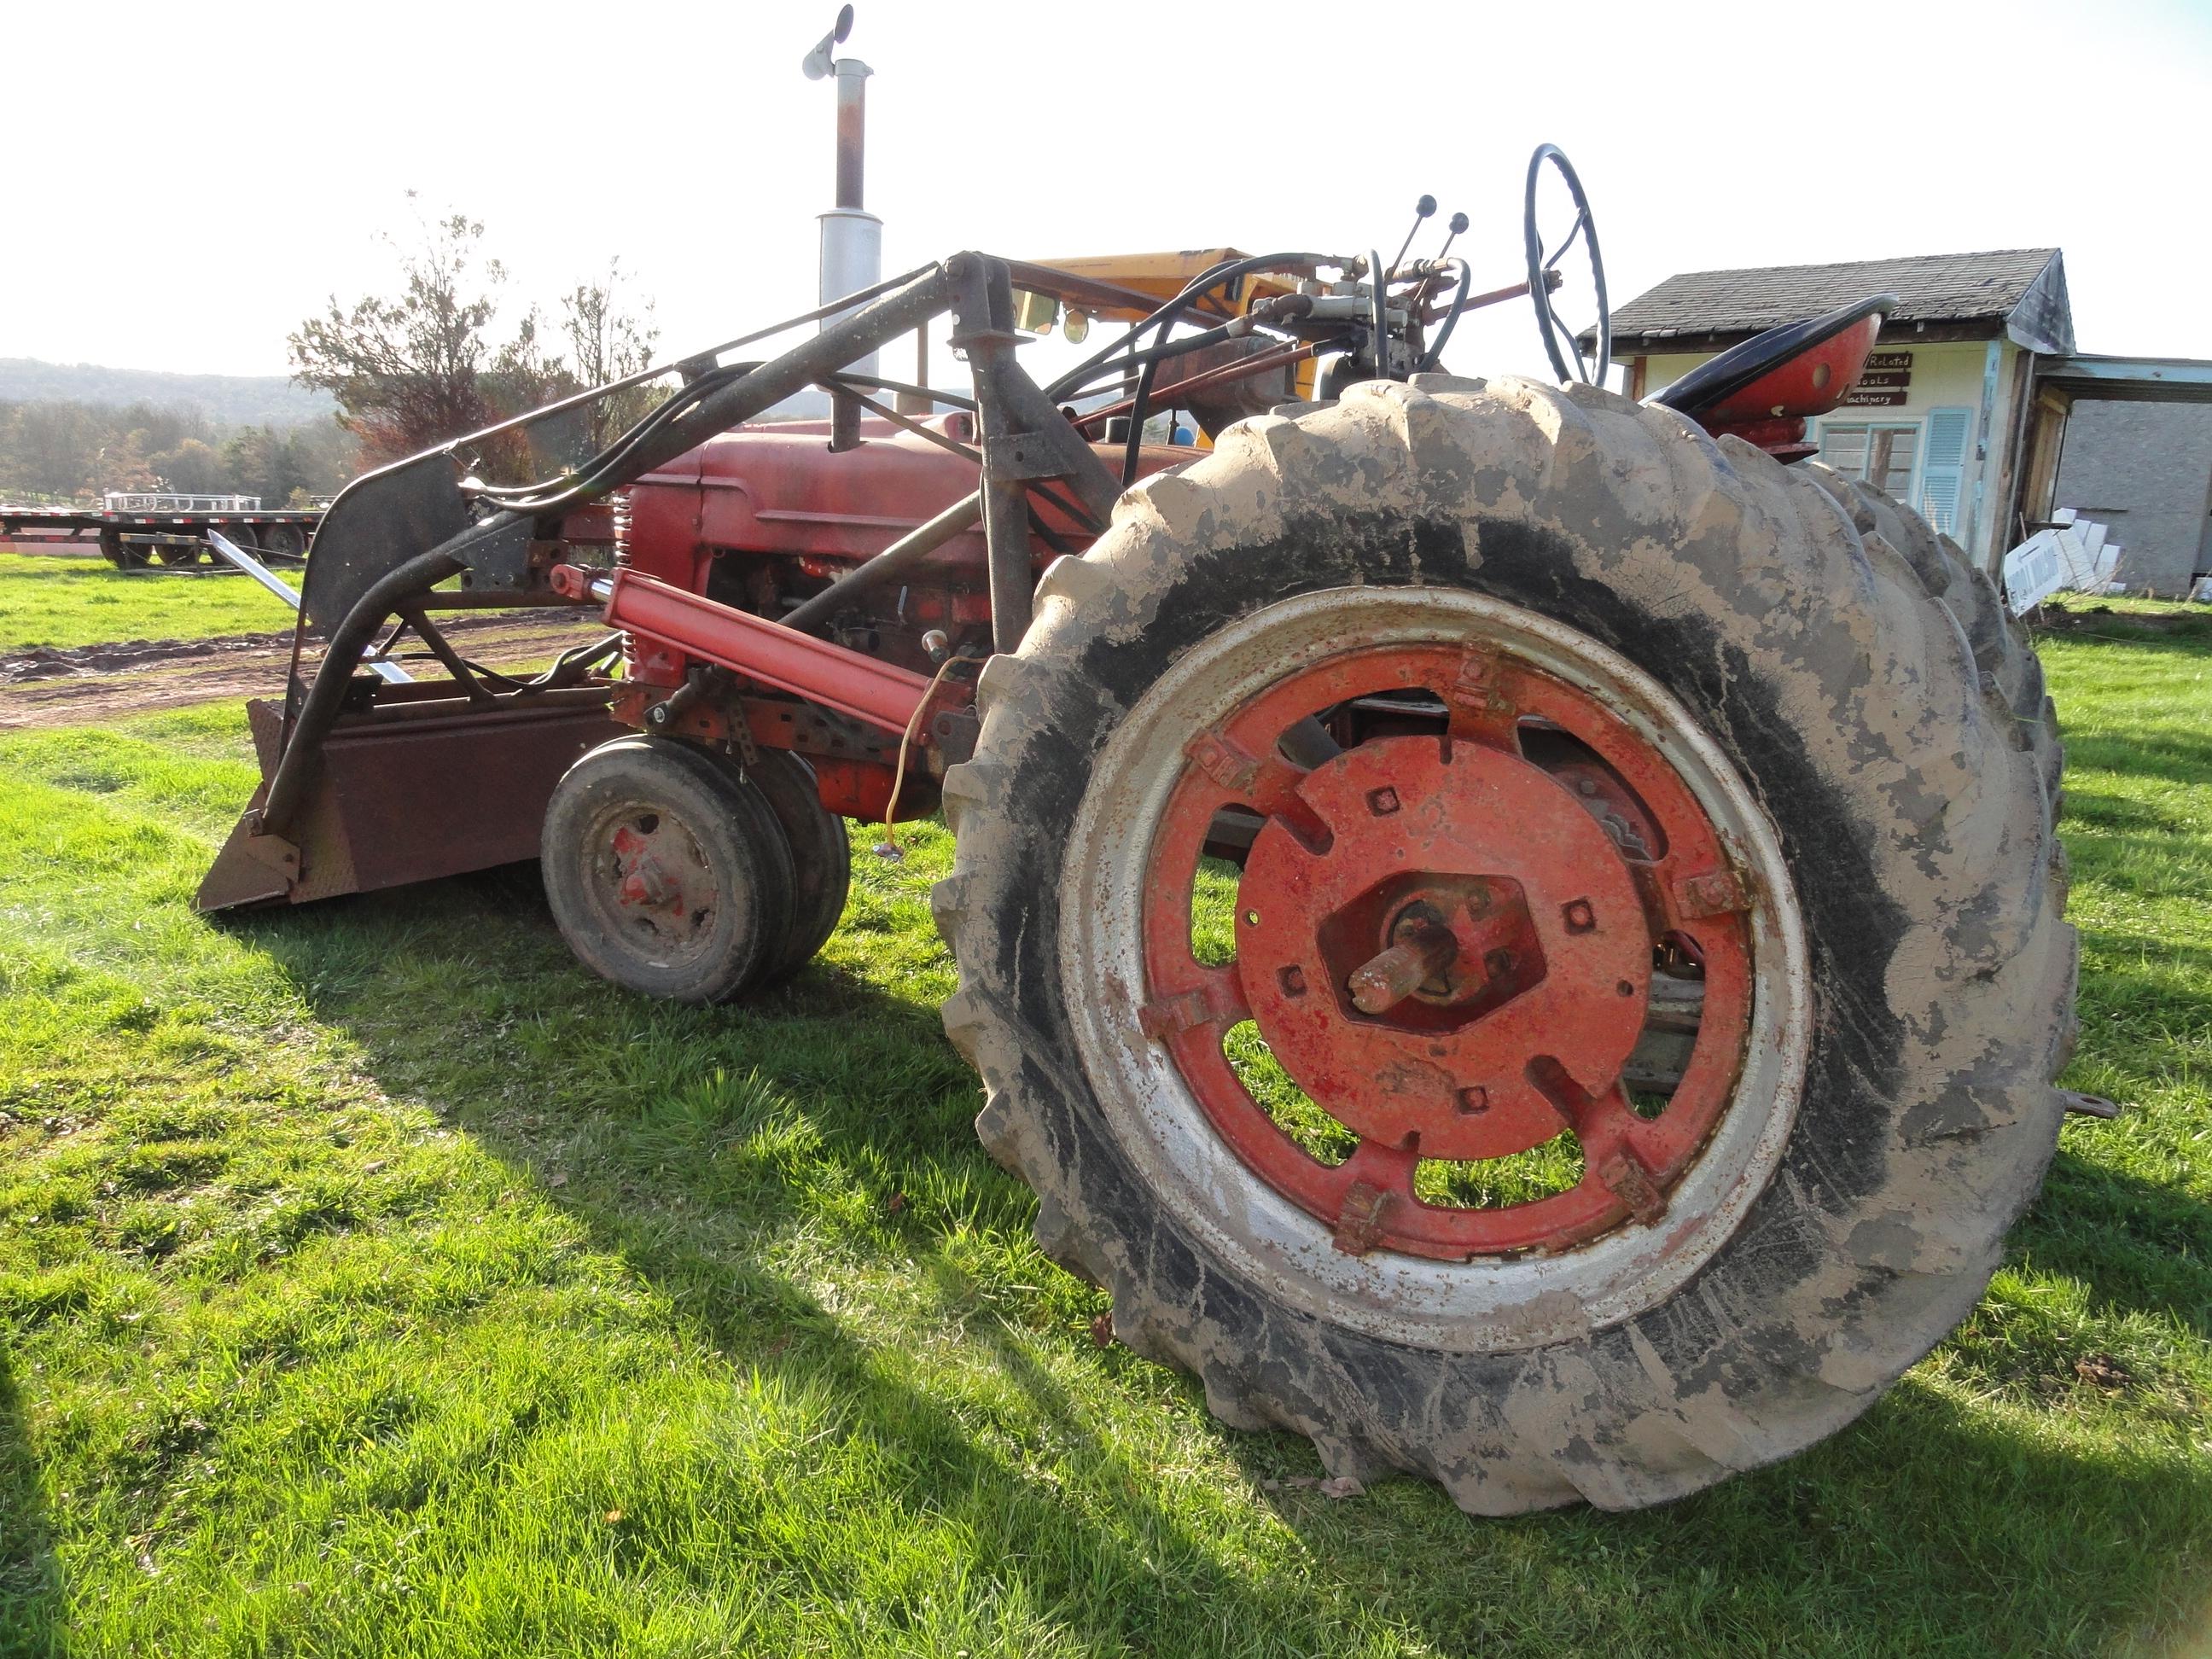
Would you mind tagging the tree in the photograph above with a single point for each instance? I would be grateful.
(421, 369)
(120, 464)
(607, 344)
(54, 446)
(193, 467)
(407, 371)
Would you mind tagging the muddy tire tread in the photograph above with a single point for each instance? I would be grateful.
(1869, 1245)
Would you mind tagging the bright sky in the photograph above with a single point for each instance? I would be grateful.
(261, 145)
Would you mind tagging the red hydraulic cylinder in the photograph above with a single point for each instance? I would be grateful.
(850, 681)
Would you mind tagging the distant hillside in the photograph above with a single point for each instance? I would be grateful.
(225, 399)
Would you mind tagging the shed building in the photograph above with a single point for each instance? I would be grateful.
(1975, 408)
(1940, 418)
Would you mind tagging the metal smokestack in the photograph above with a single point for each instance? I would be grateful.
(852, 237)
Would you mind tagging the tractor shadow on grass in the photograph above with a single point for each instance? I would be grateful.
(31, 1596)
(697, 1145)
(2140, 1246)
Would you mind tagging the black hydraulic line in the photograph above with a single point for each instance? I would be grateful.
(1136, 439)
(1038, 526)
(859, 297)
(644, 376)
(1074, 510)
(529, 497)
(576, 661)
(341, 657)
(462, 671)
(691, 394)
(1378, 307)
(1212, 278)
(731, 404)
(1434, 354)
(1237, 328)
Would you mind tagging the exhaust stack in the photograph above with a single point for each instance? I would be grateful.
(852, 238)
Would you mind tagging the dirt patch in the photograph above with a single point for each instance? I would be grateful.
(47, 662)
(43, 686)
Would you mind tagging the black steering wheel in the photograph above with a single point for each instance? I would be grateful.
(1549, 323)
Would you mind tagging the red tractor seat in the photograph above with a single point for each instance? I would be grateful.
(1762, 389)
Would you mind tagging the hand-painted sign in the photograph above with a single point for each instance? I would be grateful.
(1882, 385)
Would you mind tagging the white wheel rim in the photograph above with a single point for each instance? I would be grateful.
(1487, 1305)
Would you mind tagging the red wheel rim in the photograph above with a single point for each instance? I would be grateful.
(651, 878)
(1502, 908)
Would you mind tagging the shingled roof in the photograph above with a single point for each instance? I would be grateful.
(2019, 292)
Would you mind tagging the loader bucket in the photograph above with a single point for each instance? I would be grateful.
(426, 784)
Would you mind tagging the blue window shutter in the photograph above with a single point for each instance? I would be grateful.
(1944, 476)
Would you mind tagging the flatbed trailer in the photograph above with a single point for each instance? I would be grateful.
(134, 532)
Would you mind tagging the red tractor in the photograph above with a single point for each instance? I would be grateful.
(1517, 933)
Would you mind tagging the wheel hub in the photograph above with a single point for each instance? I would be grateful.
(654, 876)
(1479, 892)
(1445, 939)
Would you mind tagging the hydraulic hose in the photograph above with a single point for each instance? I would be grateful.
(1132, 451)
(1082, 373)
(320, 711)
(1434, 354)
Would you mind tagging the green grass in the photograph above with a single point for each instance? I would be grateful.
(59, 601)
(372, 1281)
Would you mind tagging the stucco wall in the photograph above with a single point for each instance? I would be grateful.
(2145, 471)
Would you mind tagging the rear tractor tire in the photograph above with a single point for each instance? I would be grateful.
(2011, 674)
(1632, 1033)
(666, 872)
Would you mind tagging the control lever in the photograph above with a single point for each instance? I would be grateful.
(1458, 223)
(1422, 209)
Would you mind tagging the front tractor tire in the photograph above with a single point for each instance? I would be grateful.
(1632, 1032)
(667, 872)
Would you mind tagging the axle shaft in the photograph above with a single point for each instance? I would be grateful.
(1384, 981)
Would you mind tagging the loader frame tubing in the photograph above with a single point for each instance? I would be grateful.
(397, 532)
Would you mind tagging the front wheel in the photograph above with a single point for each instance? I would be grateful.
(666, 872)
(1509, 937)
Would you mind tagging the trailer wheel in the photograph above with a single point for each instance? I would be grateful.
(666, 872)
(821, 857)
(283, 541)
(1359, 1152)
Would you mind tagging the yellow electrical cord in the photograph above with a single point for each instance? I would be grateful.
(890, 848)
